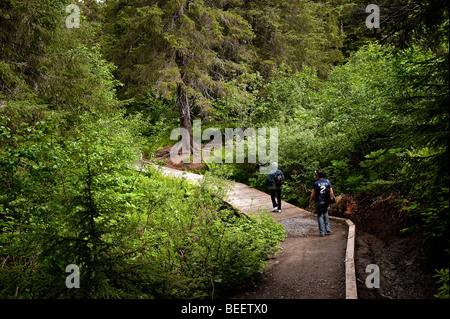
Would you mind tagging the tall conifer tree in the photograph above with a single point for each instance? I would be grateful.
(187, 47)
(192, 48)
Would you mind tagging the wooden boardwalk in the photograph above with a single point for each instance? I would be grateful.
(244, 198)
(307, 267)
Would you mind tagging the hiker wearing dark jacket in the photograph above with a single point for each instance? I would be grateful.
(321, 199)
(276, 179)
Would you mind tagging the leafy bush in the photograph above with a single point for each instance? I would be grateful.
(442, 276)
(79, 199)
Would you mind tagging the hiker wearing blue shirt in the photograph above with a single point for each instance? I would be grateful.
(276, 180)
(320, 196)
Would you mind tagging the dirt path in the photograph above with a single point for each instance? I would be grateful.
(308, 266)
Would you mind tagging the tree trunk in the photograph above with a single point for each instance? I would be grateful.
(185, 114)
(183, 98)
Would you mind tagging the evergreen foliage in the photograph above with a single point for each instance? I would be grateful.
(79, 106)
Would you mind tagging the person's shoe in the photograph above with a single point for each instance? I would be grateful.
(275, 209)
(322, 235)
(328, 232)
(279, 210)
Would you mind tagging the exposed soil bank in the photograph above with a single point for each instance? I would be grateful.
(403, 259)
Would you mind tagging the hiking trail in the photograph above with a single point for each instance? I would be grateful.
(308, 266)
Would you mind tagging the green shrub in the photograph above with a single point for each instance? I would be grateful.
(442, 276)
(80, 199)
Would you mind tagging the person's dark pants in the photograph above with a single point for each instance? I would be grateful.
(277, 193)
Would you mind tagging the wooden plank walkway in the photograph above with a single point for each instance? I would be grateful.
(308, 266)
(244, 198)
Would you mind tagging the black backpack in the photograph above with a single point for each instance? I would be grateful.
(330, 199)
(278, 179)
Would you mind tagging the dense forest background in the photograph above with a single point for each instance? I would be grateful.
(79, 106)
